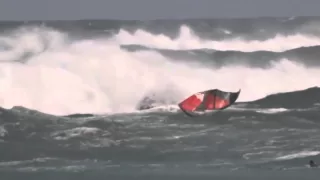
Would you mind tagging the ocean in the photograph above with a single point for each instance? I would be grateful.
(70, 92)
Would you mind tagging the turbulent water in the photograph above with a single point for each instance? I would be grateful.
(70, 92)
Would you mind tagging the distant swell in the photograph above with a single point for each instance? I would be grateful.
(305, 55)
(303, 99)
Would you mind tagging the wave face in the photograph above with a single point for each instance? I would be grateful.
(71, 95)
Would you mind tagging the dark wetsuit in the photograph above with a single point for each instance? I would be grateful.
(312, 164)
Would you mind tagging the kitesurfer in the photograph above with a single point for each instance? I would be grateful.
(312, 164)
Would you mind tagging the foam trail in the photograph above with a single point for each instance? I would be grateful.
(96, 76)
(299, 155)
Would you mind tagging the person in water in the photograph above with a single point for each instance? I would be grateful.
(312, 164)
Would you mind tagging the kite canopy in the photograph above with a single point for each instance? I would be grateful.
(213, 99)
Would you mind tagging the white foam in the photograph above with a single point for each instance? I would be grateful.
(75, 132)
(298, 155)
(96, 76)
(163, 108)
(272, 110)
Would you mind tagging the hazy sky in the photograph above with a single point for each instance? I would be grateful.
(152, 9)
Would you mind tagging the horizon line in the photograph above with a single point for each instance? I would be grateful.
(158, 19)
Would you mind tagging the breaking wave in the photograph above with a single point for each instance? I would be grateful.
(54, 72)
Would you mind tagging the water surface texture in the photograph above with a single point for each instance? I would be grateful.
(69, 92)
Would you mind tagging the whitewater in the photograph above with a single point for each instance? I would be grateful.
(70, 93)
(47, 70)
